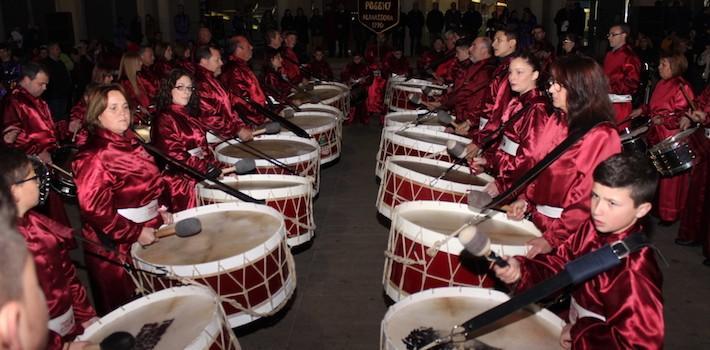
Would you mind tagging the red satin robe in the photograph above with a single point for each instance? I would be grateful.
(465, 100)
(321, 69)
(161, 68)
(150, 80)
(78, 113)
(628, 296)
(30, 115)
(445, 70)
(375, 104)
(49, 243)
(567, 182)
(694, 219)
(623, 69)
(239, 81)
(425, 61)
(113, 172)
(142, 99)
(535, 132)
(495, 102)
(291, 65)
(349, 75)
(667, 101)
(178, 135)
(394, 65)
(215, 105)
(185, 64)
(276, 84)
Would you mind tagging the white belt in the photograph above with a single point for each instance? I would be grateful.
(619, 98)
(142, 214)
(550, 212)
(707, 132)
(272, 99)
(197, 152)
(508, 146)
(576, 312)
(62, 324)
(482, 123)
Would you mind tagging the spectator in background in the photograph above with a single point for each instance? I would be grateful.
(288, 23)
(204, 36)
(239, 24)
(452, 18)
(59, 88)
(471, 21)
(577, 19)
(399, 31)
(527, 23)
(329, 29)
(342, 24)
(541, 47)
(268, 22)
(571, 44)
(9, 70)
(81, 74)
(301, 27)
(316, 26)
(136, 32)
(415, 22)
(319, 66)
(435, 20)
(562, 20)
(181, 22)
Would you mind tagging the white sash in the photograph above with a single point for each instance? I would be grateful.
(576, 312)
(142, 214)
(508, 146)
(197, 152)
(707, 132)
(550, 212)
(62, 324)
(482, 123)
(619, 98)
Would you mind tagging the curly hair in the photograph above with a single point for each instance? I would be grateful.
(165, 96)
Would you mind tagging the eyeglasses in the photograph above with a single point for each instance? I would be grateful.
(552, 82)
(36, 177)
(185, 88)
(609, 35)
(567, 41)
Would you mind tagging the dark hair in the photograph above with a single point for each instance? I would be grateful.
(629, 170)
(587, 90)
(625, 28)
(13, 250)
(510, 33)
(204, 52)
(534, 62)
(30, 70)
(537, 26)
(8, 209)
(271, 34)
(575, 39)
(15, 167)
(143, 48)
(165, 96)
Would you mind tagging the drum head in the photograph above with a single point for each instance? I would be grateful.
(176, 318)
(312, 121)
(224, 234)
(323, 92)
(521, 330)
(254, 185)
(273, 147)
(423, 137)
(455, 175)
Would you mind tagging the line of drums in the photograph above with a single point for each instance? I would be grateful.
(430, 277)
(239, 268)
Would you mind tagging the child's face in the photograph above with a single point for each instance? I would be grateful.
(26, 193)
(613, 209)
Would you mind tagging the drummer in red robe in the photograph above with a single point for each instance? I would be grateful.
(357, 76)
(164, 61)
(375, 54)
(291, 63)
(694, 222)
(273, 78)
(240, 81)
(216, 112)
(77, 133)
(122, 197)
(320, 67)
(666, 108)
(621, 308)
(149, 74)
(137, 87)
(394, 64)
(177, 132)
(49, 242)
(558, 199)
(446, 71)
(27, 122)
(623, 69)
(430, 56)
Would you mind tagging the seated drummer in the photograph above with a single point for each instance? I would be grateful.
(319, 66)
(358, 76)
(241, 82)
(621, 308)
(274, 79)
(49, 242)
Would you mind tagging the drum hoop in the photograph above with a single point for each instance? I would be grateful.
(333, 110)
(408, 88)
(340, 85)
(476, 292)
(331, 100)
(234, 262)
(391, 134)
(331, 125)
(302, 186)
(308, 157)
(203, 340)
(405, 227)
(442, 184)
(419, 82)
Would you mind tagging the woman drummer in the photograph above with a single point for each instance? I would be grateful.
(137, 86)
(273, 76)
(666, 108)
(121, 195)
(177, 132)
(558, 199)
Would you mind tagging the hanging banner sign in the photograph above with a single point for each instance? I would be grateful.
(378, 15)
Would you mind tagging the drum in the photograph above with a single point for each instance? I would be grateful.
(188, 317)
(419, 256)
(408, 179)
(399, 98)
(407, 118)
(391, 82)
(291, 195)
(417, 142)
(344, 102)
(632, 140)
(324, 129)
(299, 155)
(338, 114)
(531, 328)
(330, 95)
(673, 155)
(61, 177)
(143, 131)
(241, 253)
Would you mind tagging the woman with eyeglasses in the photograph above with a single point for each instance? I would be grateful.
(177, 132)
(558, 200)
(571, 44)
(122, 197)
(531, 127)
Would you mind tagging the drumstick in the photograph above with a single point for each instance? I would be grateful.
(478, 244)
(687, 98)
(115, 341)
(183, 228)
(61, 170)
(73, 136)
(269, 129)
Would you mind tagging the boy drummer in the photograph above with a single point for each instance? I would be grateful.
(622, 307)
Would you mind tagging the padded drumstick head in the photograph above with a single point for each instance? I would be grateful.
(415, 99)
(244, 166)
(188, 227)
(478, 200)
(444, 117)
(427, 90)
(272, 128)
(288, 112)
(456, 149)
(315, 99)
(118, 341)
(474, 241)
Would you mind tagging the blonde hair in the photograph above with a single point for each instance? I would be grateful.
(129, 67)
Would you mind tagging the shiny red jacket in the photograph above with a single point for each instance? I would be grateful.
(239, 81)
(321, 69)
(668, 102)
(30, 115)
(291, 65)
(470, 87)
(215, 104)
(495, 101)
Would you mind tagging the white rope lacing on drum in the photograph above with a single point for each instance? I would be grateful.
(403, 260)
(416, 191)
(435, 248)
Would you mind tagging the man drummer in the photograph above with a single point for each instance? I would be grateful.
(240, 81)
(623, 69)
(444, 72)
(621, 308)
(215, 103)
(27, 122)
(291, 63)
